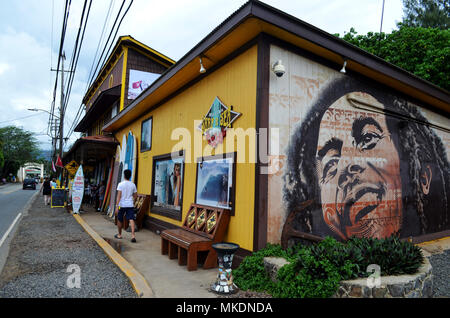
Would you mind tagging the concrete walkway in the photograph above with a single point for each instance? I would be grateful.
(166, 278)
(163, 277)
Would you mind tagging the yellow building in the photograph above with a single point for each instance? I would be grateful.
(282, 101)
(130, 61)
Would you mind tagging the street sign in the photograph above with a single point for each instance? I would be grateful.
(72, 167)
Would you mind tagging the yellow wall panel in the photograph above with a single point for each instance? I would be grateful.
(234, 84)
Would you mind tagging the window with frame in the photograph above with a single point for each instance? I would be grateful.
(146, 134)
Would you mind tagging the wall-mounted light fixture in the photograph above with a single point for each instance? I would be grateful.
(343, 67)
(202, 68)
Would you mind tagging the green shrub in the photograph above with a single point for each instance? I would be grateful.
(250, 275)
(394, 257)
(307, 277)
(315, 271)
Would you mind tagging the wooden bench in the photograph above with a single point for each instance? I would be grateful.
(202, 227)
(141, 204)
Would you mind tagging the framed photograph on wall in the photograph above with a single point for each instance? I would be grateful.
(146, 134)
(215, 184)
(167, 185)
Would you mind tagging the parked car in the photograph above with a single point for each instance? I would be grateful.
(29, 183)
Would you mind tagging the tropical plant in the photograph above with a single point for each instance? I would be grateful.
(316, 270)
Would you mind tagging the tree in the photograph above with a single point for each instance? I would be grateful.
(426, 14)
(422, 51)
(18, 147)
(2, 158)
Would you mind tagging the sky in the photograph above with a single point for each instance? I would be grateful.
(30, 32)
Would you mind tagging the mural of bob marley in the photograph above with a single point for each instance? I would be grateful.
(370, 164)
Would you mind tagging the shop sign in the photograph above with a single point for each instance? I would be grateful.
(216, 122)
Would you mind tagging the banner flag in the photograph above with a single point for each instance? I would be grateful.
(59, 162)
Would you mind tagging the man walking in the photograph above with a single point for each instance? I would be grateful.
(126, 195)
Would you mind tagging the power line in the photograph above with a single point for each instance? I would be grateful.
(106, 44)
(381, 28)
(103, 51)
(10, 120)
(80, 108)
(61, 44)
(76, 54)
(115, 34)
(99, 42)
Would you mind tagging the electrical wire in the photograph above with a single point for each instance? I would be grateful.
(10, 120)
(115, 34)
(76, 55)
(108, 15)
(80, 108)
(106, 44)
(108, 51)
(61, 44)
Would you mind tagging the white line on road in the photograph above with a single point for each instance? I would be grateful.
(10, 229)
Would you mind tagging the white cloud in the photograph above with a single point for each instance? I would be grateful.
(3, 68)
(171, 27)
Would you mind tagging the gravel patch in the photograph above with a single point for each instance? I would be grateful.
(441, 274)
(47, 242)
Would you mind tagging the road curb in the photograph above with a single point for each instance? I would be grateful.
(140, 285)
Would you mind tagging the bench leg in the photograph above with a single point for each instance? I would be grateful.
(164, 246)
(173, 250)
(192, 260)
(211, 259)
(182, 256)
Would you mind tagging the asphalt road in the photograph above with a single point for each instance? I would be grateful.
(12, 201)
(51, 256)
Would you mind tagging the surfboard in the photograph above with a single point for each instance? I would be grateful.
(134, 160)
(108, 186)
(123, 154)
(78, 190)
(120, 170)
(114, 181)
(129, 152)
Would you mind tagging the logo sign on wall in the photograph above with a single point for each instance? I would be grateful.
(77, 190)
(216, 122)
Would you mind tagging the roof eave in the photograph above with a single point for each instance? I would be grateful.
(298, 28)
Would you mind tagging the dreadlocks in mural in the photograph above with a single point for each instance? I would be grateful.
(370, 173)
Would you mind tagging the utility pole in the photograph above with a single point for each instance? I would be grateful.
(61, 109)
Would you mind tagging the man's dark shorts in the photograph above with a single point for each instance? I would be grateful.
(128, 212)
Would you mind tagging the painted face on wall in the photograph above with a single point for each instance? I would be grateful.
(358, 169)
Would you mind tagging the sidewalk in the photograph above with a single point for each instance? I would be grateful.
(169, 280)
(166, 278)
